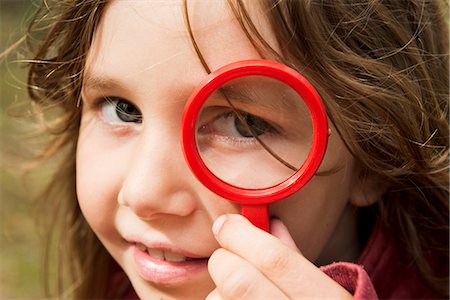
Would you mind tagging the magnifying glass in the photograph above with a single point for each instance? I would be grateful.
(254, 132)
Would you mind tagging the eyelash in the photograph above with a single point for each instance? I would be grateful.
(119, 112)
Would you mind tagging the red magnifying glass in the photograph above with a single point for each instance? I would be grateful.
(254, 132)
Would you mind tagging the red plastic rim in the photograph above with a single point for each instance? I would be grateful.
(248, 68)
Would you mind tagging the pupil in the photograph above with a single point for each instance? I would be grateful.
(257, 125)
(127, 112)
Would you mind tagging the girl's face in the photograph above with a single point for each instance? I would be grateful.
(133, 184)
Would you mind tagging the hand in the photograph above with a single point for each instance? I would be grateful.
(253, 264)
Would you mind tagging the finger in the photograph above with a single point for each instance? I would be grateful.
(235, 278)
(279, 230)
(288, 270)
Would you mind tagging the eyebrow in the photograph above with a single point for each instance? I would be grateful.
(96, 82)
(250, 96)
(243, 94)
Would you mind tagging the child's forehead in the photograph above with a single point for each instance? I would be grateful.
(170, 14)
(172, 17)
(146, 34)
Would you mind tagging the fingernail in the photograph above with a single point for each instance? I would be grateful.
(218, 223)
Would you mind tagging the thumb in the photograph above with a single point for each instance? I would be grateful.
(278, 229)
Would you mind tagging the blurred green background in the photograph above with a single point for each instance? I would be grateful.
(20, 242)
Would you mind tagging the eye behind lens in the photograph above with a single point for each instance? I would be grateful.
(249, 125)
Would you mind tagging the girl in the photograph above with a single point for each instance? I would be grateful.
(373, 222)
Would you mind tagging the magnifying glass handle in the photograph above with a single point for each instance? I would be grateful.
(257, 214)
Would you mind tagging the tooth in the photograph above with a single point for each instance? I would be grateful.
(170, 256)
(141, 246)
(158, 254)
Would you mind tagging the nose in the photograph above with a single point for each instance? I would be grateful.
(158, 181)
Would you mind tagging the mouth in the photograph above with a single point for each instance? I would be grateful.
(166, 266)
(165, 255)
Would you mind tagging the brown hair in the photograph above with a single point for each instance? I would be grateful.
(63, 31)
(380, 66)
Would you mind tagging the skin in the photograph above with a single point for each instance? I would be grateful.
(133, 182)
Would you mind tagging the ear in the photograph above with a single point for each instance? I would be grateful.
(367, 188)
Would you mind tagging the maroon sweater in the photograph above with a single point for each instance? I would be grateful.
(380, 272)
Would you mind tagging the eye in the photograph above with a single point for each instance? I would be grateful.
(230, 125)
(249, 125)
(118, 110)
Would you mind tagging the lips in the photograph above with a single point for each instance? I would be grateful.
(166, 266)
(165, 255)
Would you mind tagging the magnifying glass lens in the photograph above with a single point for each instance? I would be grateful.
(254, 132)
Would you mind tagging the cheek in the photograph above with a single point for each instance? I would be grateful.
(96, 182)
(313, 213)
